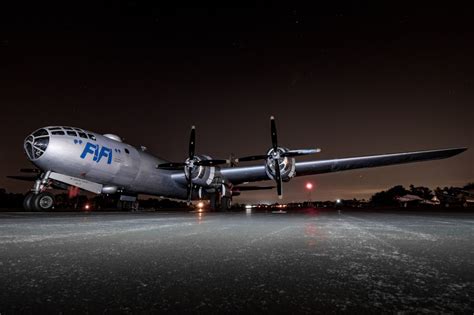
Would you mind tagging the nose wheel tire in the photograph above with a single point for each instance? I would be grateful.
(28, 201)
(43, 201)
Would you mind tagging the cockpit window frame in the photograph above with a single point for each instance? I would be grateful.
(41, 133)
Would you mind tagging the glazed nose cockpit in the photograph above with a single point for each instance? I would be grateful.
(35, 144)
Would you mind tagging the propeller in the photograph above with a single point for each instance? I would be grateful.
(275, 155)
(191, 162)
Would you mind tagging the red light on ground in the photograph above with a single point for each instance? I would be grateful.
(309, 186)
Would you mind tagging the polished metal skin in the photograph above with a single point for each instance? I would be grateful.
(87, 157)
(131, 170)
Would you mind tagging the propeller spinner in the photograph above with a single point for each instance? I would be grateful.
(275, 154)
(191, 163)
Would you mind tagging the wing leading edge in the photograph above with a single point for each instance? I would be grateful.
(238, 175)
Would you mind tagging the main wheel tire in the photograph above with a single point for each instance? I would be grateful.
(43, 201)
(213, 206)
(226, 203)
(28, 201)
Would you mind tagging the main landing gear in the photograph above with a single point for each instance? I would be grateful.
(38, 199)
(224, 204)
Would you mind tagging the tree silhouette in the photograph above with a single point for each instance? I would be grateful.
(469, 186)
(422, 192)
(387, 198)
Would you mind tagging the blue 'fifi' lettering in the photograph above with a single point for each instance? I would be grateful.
(97, 152)
(105, 152)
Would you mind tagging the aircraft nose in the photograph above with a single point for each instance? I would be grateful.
(35, 144)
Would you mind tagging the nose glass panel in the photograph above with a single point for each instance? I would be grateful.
(36, 144)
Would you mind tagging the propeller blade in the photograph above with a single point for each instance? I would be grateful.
(192, 142)
(278, 178)
(233, 160)
(171, 166)
(274, 133)
(189, 188)
(293, 153)
(252, 158)
(211, 162)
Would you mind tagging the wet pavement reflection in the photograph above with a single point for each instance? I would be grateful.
(310, 262)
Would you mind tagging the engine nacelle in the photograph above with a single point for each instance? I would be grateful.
(202, 176)
(287, 165)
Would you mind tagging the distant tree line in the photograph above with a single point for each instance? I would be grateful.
(11, 200)
(447, 196)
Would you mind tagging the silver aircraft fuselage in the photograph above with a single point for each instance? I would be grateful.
(103, 159)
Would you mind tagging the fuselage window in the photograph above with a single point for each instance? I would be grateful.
(71, 133)
(126, 151)
(67, 128)
(92, 137)
(41, 132)
(55, 128)
(57, 133)
(82, 135)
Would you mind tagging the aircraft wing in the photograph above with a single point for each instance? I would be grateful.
(237, 175)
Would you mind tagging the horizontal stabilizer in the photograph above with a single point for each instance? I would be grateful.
(28, 178)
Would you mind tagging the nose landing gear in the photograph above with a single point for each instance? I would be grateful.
(38, 199)
(38, 202)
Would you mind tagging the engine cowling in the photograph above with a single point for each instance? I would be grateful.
(287, 165)
(202, 175)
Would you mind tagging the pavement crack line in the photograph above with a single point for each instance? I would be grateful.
(271, 234)
(388, 227)
(38, 238)
(396, 250)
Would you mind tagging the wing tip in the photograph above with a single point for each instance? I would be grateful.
(455, 151)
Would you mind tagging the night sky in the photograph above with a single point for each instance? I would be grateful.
(351, 79)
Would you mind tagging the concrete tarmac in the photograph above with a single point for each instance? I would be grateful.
(309, 262)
